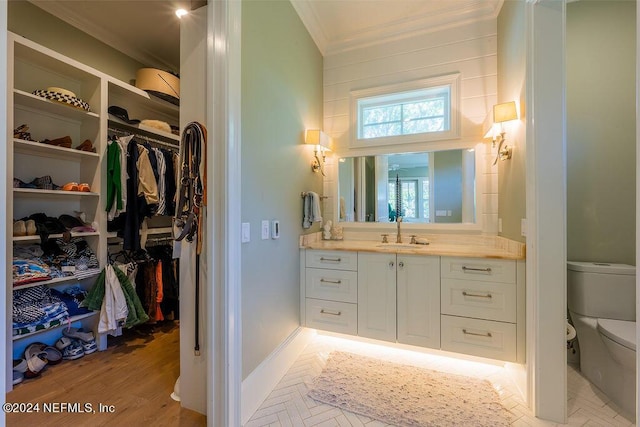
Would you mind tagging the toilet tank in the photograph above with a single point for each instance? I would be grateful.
(604, 290)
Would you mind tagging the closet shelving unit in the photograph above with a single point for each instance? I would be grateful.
(31, 67)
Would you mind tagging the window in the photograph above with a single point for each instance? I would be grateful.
(417, 111)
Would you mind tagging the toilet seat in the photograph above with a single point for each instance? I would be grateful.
(621, 331)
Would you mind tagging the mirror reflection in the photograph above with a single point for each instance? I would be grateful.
(427, 187)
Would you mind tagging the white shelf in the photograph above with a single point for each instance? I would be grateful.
(57, 281)
(39, 103)
(45, 150)
(36, 192)
(71, 320)
(36, 238)
(146, 101)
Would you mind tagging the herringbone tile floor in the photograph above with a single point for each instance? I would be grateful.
(288, 404)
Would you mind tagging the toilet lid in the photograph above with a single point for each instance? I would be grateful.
(621, 331)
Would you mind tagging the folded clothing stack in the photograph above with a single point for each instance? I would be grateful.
(55, 257)
(36, 308)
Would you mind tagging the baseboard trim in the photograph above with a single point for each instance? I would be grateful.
(259, 384)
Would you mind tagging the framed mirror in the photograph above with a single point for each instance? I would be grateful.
(422, 187)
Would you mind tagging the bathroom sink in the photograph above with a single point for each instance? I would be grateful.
(400, 246)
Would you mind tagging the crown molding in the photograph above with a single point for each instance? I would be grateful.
(309, 18)
(122, 44)
(471, 11)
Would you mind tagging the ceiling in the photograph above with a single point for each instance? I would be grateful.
(149, 31)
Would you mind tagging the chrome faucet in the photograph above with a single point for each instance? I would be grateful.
(398, 235)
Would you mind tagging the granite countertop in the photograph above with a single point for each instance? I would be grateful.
(459, 246)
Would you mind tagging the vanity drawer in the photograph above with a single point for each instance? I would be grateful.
(484, 338)
(332, 316)
(335, 285)
(335, 260)
(482, 300)
(481, 269)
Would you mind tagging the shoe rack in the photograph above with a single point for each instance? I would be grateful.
(32, 67)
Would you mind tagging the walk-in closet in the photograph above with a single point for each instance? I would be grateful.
(94, 157)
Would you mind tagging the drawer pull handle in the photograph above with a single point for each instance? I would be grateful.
(467, 294)
(482, 270)
(487, 334)
(330, 259)
(333, 313)
(335, 282)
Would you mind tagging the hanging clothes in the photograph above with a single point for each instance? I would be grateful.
(114, 180)
(96, 295)
(114, 309)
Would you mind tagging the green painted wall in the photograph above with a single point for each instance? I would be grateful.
(511, 87)
(281, 97)
(35, 24)
(601, 126)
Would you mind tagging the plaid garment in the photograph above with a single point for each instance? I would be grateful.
(29, 304)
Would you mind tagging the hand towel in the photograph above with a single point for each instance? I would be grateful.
(316, 214)
(311, 210)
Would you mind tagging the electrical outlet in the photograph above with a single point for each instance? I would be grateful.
(265, 229)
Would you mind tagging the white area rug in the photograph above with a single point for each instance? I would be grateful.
(405, 395)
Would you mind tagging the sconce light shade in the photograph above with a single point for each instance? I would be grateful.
(317, 137)
(504, 112)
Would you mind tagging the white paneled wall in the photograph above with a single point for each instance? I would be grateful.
(469, 50)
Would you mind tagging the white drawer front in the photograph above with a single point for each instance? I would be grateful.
(481, 269)
(332, 316)
(482, 300)
(484, 338)
(335, 285)
(336, 260)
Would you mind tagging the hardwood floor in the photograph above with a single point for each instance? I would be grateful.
(135, 375)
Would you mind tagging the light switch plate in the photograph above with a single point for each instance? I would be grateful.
(246, 232)
(523, 227)
(265, 229)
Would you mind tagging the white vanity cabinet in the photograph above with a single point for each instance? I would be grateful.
(399, 298)
(330, 292)
(377, 296)
(482, 306)
(418, 288)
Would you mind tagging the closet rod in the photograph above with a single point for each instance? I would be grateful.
(144, 137)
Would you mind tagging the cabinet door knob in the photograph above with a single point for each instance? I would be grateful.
(391, 264)
(400, 264)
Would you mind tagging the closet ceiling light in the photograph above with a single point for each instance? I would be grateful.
(181, 12)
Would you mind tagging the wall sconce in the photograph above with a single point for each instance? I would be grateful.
(501, 113)
(322, 143)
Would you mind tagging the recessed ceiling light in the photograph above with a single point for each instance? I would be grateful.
(181, 12)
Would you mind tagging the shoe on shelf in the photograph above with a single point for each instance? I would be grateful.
(84, 187)
(64, 141)
(32, 230)
(87, 145)
(19, 228)
(70, 186)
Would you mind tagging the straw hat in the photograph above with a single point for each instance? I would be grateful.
(63, 96)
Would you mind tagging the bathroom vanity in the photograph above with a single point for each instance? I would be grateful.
(463, 295)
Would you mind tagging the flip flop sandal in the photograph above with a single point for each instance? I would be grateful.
(17, 377)
(36, 361)
(70, 186)
(20, 365)
(84, 187)
(54, 356)
(78, 334)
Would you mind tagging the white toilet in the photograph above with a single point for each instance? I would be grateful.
(601, 299)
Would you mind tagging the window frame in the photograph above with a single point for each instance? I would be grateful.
(450, 80)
